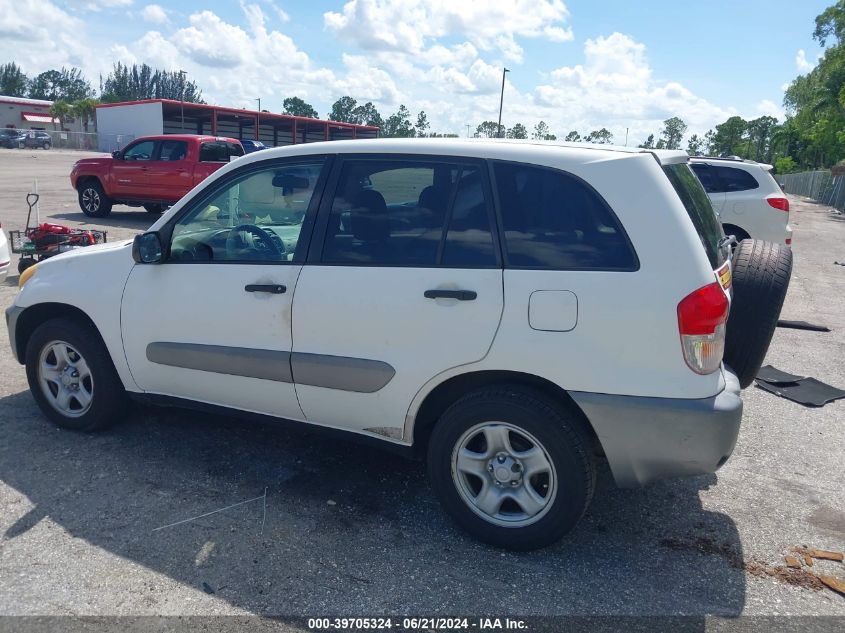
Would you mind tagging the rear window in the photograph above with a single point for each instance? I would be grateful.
(698, 207)
(219, 151)
(733, 179)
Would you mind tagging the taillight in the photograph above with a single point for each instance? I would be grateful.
(702, 316)
(781, 204)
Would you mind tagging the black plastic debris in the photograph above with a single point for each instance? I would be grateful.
(207, 588)
(802, 325)
(807, 391)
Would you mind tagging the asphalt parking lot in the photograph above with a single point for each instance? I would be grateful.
(352, 530)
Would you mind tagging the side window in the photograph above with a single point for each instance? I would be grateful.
(235, 149)
(140, 151)
(705, 175)
(419, 214)
(736, 179)
(215, 152)
(173, 150)
(553, 220)
(257, 217)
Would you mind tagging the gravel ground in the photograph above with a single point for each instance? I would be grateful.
(351, 530)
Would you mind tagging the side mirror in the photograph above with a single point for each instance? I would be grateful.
(117, 155)
(146, 248)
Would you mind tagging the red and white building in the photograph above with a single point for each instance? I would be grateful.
(30, 114)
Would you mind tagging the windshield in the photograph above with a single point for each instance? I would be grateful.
(700, 211)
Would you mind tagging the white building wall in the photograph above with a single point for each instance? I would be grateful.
(117, 125)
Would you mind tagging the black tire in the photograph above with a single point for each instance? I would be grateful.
(761, 272)
(24, 263)
(46, 146)
(154, 209)
(108, 401)
(93, 200)
(562, 439)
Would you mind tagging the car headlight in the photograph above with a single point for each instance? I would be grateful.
(26, 275)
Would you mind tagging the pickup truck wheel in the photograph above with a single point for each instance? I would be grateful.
(93, 200)
(155, 209)
(761, 272)
(71, 376)
(511, 467)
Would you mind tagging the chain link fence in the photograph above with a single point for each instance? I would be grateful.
(819, 185)
(83, 141)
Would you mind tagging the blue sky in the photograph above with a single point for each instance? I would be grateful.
(577, 64)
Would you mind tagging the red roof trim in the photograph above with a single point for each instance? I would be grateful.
(242, 112)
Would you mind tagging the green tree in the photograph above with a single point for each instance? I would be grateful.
(602, 136)
(695, 145)
(399, 124)
(649, 142)
(673, 132)
(573, 137)
(297, 107)
(13, 81)
(518, 131)
(488, 129)
(367, 114)
(728, 136)
(343, 110)
(785, 165)
(62, 111)
(133, 83)
(542, 132)
(84, 110)
(422, 124)
(65, 84)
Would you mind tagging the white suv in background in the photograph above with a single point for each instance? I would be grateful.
(746, 197)
(504, 310)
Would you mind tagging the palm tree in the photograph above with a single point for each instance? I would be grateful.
(84, 109)
(62, 111)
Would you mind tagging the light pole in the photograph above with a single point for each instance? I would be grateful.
(501, 101)
(468, 126)
(182, 96)
(258, 121)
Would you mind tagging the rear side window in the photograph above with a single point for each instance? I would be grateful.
(698, 207)
(219, 151)
(707, 177)
(733, 179)
(553, 220)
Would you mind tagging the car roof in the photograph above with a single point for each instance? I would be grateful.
(732, 161)
(488, 148)
(185, 137)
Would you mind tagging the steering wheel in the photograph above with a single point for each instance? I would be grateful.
(263, 244)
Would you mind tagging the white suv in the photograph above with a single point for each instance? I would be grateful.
(746, 197)
(507, 310)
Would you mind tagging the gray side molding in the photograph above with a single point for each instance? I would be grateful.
(235, 361)
(341, 372)
(318, 370)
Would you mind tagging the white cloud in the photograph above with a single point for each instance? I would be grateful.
(767, 107)
(154, 13)
(99, 5)
(410, 25)
(38, 35)
(801, 62)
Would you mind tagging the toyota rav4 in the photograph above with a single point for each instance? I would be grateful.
(510, 311)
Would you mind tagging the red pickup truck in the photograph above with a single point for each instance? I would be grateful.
(151, 172)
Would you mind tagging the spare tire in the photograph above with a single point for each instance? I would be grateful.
(761, 273)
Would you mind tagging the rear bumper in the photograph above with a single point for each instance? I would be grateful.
(646, 439)
(788, 237)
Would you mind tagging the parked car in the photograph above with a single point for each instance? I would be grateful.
(35, 139)
(746, 197)
(252, 146)
(5, 256)
(505, 310)
(11, 139)
(152, 171)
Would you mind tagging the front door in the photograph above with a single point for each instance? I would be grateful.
(402, 284)
(213, 322)
(130, 173)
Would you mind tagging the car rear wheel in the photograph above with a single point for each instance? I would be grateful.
(71, 376)
(93, 200)
(761, 272)
(46, 146)
(511, 467)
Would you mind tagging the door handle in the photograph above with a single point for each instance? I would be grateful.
(460, 295)
(276, 289)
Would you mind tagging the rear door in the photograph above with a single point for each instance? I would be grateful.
(169, 172)
(130, 174)
(403, 282)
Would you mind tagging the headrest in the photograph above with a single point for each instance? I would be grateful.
(368, 217)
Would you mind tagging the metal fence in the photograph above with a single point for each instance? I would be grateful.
(819, 185)
(85, 141)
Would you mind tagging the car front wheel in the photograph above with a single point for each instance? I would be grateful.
(93, 200)
(512, 467)
(71, 376)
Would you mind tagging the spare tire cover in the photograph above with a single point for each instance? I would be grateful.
(761, 272)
